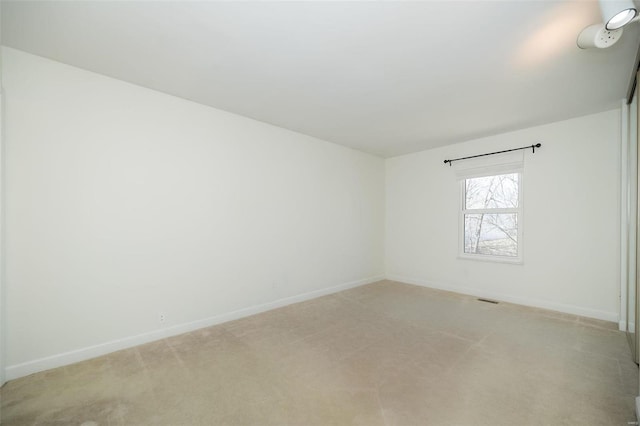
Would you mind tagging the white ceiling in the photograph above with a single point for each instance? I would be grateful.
(387, 78)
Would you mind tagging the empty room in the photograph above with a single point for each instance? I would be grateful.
(272, 213)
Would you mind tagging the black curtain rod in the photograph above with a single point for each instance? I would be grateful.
(533, 147)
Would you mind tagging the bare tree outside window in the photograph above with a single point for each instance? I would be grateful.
(490, 215)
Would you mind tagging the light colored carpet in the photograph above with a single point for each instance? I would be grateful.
(381, 354)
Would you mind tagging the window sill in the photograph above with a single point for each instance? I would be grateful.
(491, 259)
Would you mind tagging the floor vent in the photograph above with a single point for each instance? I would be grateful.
(488, 301)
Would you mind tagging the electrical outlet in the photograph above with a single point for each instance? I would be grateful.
(162, 318)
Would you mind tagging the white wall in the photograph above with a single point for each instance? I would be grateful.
(571, 219)
(124, 203)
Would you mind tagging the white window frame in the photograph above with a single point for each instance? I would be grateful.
(519, 211)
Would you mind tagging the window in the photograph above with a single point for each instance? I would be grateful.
(491, 217)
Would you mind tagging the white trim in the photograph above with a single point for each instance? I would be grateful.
(490, 258)
(3, 251)
(24, 369)
(536, 303)
(624, 219)
(519, 211)
(631, 194)
(622, 325)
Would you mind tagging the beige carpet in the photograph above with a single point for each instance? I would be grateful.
(381, 354)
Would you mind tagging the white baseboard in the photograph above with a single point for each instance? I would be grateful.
(622, 325)
(536, 303)
(24, 369)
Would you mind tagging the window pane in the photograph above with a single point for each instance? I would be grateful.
(492, 192)
(491, 234)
